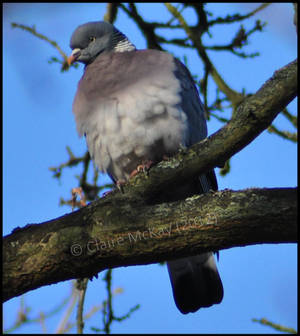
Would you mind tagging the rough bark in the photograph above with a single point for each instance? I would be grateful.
(115, 231)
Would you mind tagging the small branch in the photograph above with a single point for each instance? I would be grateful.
(275, 326)
(284, 134)
(108, 314)
(258, 9)
(73, 161)
(72, 302)
(111, 12)
(232, 50)
(81, 287)
(43, 37)
(296, 16)
(240, 39)
(226, 169)
(148, 29)
(219, 118)
(23, 315)
(238, 17)
(173, 10)
(293, 119)
(90, 190)
(234, 96)
(91, 312)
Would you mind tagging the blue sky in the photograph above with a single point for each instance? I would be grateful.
(259, 281)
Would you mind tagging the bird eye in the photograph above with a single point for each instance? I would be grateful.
(92, 38)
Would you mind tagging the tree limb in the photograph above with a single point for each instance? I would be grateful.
(116, 231)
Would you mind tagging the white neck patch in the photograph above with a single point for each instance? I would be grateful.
(124, 45)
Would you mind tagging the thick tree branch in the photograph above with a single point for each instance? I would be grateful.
(116, 231)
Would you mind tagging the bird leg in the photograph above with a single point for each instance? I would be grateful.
(144, 167)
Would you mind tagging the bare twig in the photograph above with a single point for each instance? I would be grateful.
(147, 28)
(33, 31)
(23, 315)
(296, 16)
(108, 312)
(238, 17)
(72, 302)
(111, 12)
(95, 309)
(293, 119)
(275, 326)
(234, 96)
(284, 134)
(81, 285)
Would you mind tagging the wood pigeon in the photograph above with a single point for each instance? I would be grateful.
(136, 106)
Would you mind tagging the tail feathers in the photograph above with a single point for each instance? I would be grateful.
(195, 282)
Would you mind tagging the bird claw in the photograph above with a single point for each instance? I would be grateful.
(144, 167)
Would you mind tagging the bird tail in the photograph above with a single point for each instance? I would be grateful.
(195, 280)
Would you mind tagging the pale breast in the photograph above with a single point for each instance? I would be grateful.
(134, 114)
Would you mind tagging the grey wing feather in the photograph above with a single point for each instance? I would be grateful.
(191, 105)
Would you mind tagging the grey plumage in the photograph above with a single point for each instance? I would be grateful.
(135, 105)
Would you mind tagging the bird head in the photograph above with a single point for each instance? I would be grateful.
(93, 38)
